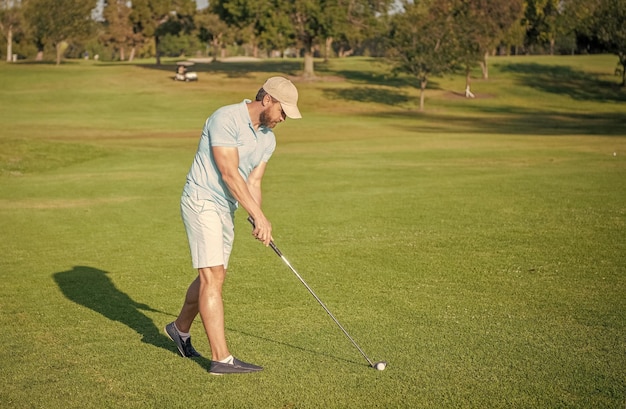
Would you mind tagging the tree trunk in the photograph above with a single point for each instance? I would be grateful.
(328, 48)
(484, 67)
(61, 47)
(423, 83)
(468, 83)
(216, 49)
(132, 54)
(156, 50)
(309, 71)
(9, 44)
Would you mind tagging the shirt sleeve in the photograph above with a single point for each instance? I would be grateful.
(269, 149)
(222, 130)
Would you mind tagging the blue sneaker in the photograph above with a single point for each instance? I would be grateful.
(184, 347)
(236, 366)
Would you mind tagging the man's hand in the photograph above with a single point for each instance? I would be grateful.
(262, 230)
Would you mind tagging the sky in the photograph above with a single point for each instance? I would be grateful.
(202, 3)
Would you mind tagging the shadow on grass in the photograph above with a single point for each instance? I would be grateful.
(47, 62)
(273, 341)
(235, 69)
(368, 94)
(92, 288)
(518, 121)
(565, 80)
(288, 67)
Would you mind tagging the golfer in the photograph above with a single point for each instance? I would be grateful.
(236, 143)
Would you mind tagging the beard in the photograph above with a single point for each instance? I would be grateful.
(265, 120)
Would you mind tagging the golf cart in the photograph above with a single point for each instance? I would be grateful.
(183, 73)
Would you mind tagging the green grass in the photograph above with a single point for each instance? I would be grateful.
(479, 247)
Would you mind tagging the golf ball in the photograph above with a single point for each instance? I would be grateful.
(380, 366)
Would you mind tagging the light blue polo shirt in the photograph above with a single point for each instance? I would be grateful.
(229, 126)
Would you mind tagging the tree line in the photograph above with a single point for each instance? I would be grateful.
(420, 37)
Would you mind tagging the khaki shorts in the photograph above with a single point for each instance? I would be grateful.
(210, 232)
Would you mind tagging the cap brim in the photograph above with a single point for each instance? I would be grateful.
(291, 111)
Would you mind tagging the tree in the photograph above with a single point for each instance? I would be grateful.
(479, 27)
(155, 18)
(541, 18)
(266, 17)
(119, 29)
(10, 22)
(275, 30)
(211, 30)
(59, 22)
(255, 17)
(513, 38)
(500, 18)
(249, 17)
(611, 30)
(306, 24)
(421, 40)
(314, 22)
(574, 17)
(361, 20)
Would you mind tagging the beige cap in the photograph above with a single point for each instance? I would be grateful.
(286, 93)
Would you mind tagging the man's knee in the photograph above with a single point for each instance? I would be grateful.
(212, 276)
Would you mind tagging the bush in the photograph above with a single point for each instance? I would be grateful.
(177, 45)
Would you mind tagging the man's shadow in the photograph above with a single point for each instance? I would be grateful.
(92, 288)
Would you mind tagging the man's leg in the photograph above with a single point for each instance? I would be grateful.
(204, 295)
(211, 308)
(190, 308)
(178, 330)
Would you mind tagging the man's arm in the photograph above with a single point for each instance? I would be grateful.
(254, 182)
(247, 194)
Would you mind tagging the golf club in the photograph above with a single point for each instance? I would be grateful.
(381, 365)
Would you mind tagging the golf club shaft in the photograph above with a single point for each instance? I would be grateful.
(280, 254)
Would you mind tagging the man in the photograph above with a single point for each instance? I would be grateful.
(236, 143)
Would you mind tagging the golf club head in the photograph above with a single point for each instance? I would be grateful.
(380, 366)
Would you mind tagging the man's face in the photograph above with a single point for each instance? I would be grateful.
(273, 114)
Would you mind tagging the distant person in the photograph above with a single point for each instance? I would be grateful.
(236, 143)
